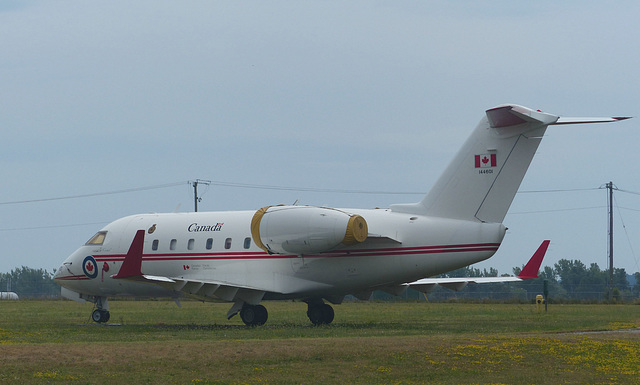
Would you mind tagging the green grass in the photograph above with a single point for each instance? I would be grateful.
(155, 342)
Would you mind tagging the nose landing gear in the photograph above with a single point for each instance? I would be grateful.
(101, 314)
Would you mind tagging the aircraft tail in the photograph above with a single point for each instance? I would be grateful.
(482, 179)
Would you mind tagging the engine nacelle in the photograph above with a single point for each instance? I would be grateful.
(305, 229)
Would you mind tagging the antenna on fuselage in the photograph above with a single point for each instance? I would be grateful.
(196, 198)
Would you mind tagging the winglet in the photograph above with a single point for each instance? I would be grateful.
(132, 265)
(530, 270)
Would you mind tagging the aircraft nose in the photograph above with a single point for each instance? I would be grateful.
(63, 274)
(58, 274)
(68, 272)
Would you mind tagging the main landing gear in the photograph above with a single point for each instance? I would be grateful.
(101, 314)
(254, 315)
(319, 313)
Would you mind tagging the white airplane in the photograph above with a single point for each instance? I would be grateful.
(320, 254)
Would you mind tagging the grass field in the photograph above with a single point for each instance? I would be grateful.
(54, 342)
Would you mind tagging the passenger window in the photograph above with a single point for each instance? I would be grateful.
(154, 245)
(247, 242)
(190, 244)
(209, 243)
(97, 239)
(227, 243)
(172, 245)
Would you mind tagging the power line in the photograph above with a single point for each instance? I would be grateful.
(311, 189)
(627, 208)
(557, 191)
(556, 210)
(53, 226)
(624, 227)
(136, 189)
(215, 183)
(629, 192)
(289, 188)
(278, 188)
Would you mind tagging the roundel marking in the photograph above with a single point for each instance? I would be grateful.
(90, 267)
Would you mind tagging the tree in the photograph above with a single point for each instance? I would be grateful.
(578, 281)
(620, 279)
(636, 287)
(28, 282)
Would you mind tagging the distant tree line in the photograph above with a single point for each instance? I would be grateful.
(567, 280)
(29, 283)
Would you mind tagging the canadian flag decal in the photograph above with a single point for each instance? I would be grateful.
(486, 160)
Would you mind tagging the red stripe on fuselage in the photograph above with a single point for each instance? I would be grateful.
(73, 278)
(334, 254)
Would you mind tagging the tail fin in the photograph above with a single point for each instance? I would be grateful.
(482, 179)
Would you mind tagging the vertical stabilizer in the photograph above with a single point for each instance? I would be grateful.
(481, 181)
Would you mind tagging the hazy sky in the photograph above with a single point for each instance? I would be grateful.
(360, 95)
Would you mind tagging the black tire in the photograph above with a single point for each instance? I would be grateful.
(96, 316)
(316, 315)
(261, 315)
(249, 315)
(100, 316)
(254, 315)
(327, 314)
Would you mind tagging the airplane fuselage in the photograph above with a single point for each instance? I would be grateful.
(218, 246)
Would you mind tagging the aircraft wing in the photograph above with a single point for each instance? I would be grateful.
(131, 270)
(204, 288)
(530, 271)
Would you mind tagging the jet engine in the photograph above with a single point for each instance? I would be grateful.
(305, 229)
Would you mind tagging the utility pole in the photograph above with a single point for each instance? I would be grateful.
(197, 199)
(610, 187)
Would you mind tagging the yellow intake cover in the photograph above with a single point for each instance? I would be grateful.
(357, 230)
(255, 227)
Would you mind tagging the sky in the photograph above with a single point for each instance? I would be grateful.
(114, 106)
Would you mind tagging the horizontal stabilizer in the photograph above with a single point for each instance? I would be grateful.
(514, 115)
(590, 120)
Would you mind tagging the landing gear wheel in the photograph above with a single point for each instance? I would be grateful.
(262, 315)
(327, 313)
(315, 315)
(254, 315)
(320, 314)
(100, 315)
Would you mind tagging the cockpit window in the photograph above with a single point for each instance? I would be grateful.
(97, 239)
